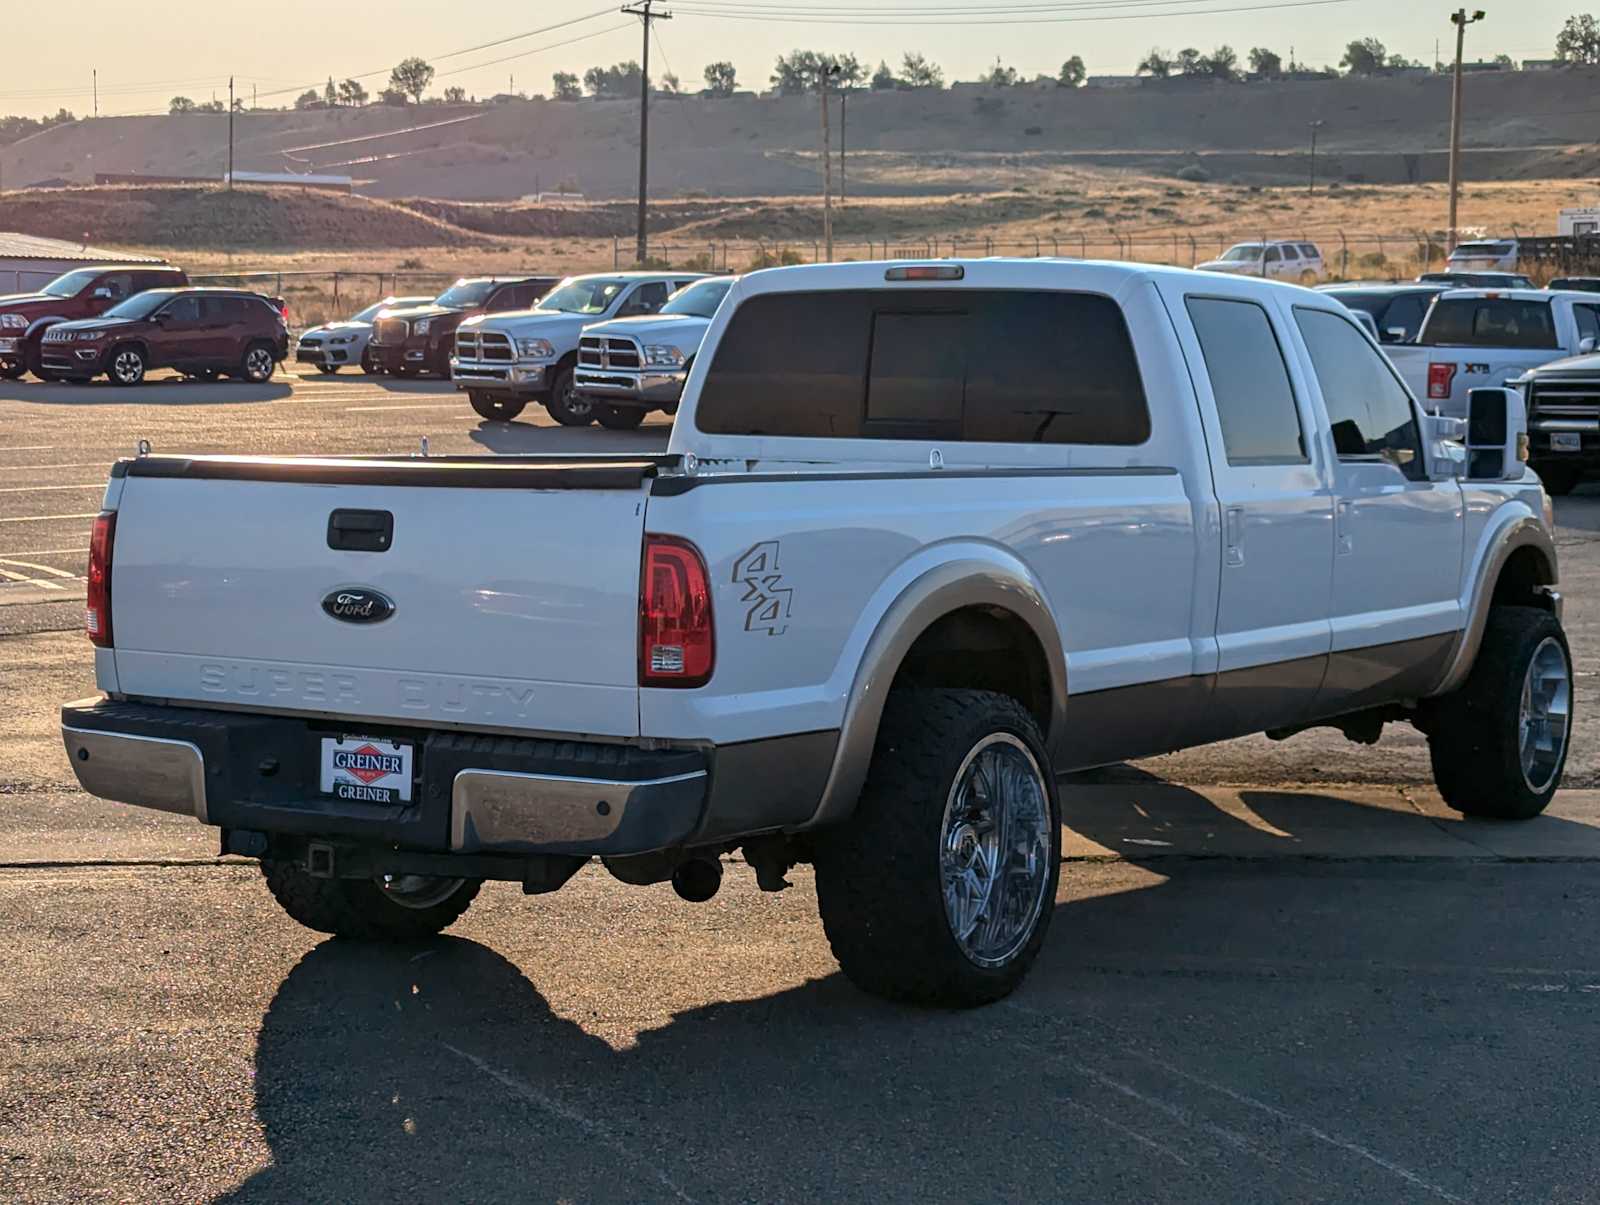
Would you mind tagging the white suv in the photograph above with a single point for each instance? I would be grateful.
(1295, 261)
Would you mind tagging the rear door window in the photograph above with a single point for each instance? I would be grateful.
(975, 365)
(182, 310)
(1368, 408)
(1250, 381)
(1272, 255)
(1289, 251)
(1490, 322)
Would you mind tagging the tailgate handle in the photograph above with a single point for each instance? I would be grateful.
(360, 530)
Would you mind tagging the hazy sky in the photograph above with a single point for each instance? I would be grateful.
(146, 53)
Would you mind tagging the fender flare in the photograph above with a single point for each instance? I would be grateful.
(1519, 529)
(39, 325)
(973, 580)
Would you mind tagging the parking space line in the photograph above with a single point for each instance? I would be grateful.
(89, 514)
(26, 468)
(33, 448)
(23, 579)
(6, 560)
(28, 489)
(55, 552)
(429, 406)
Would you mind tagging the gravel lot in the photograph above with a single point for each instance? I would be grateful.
(1276, 972)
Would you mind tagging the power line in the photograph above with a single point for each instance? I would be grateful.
(986, 17)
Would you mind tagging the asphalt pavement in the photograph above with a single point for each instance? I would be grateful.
(1275, 971)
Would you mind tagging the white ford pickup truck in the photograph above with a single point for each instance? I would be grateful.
(924, 537)
(1471, 338)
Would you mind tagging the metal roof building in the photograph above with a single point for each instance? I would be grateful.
(28, 261)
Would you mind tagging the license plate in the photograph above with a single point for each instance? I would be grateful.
(364, 770)
(1566, 441)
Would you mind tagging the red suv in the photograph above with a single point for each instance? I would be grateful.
(203, 333)
(81, 293)
(406, 342)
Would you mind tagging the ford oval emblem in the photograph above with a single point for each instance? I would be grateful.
(355, 604)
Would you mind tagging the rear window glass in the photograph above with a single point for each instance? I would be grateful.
(976, 365)
(1490, 322)
(1249, 381)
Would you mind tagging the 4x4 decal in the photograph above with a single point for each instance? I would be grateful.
(764, 591)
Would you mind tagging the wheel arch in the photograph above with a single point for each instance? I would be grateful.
(977, 619)
(1515, 562)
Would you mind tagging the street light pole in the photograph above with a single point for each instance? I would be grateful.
(1460, 20)
(1315, 126)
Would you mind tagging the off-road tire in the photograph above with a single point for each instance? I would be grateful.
(126, 366)
(493, 407)
(358, 908)
(369, 363)
(879, 889)
(1559, 479)
(619, 418)
(563, 406)
(1473, 738)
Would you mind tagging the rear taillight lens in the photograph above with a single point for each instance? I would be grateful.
(677, 643)
(97, 606)
(1440, 378)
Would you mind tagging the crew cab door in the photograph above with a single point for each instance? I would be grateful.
(1276, 504)
(1398, 535)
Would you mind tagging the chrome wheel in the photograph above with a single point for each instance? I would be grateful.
(258, 363)
(994, 850)
(128, 367)
(418, 890)
(1542, 719)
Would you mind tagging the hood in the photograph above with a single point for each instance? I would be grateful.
(1575, 366)
(526, 321)
(654, 326)
(422, 311)
(13, 302)
(333, 328)
(1235, 266)
(95, 324)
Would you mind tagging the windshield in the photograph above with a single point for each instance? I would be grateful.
(71, 284)
(1244, 251)
(140, 305)
(584, 296)
(1480, 249)
(465, 293)
(698, 300)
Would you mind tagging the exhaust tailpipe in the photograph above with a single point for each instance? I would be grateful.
(698, 879)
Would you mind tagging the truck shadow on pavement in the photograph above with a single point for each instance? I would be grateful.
(525, 439)
(155, 392)
(1195, 1030)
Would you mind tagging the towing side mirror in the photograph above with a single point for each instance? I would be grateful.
(1497, 435)
(1586, 345)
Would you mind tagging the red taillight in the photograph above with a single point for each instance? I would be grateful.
(1440, 378)
(677, 644)
(97, 606)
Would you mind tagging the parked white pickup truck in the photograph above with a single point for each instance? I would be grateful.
(504, 361)
(1476, 337)
(925, 536)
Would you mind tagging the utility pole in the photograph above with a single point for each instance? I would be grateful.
(230, 133)
(646, 14)
(844, 118)
(1460, 20)
(95, 73)
(827, 163)
(1315, 126)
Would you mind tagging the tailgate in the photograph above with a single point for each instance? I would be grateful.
(515, 590)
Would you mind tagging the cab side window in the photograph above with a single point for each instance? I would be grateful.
(1588, 317)
(1250, 381)
(647, 298)
(1369, 410)
(118, 284)
(508, 298)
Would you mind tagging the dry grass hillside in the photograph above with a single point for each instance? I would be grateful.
(1377, 131)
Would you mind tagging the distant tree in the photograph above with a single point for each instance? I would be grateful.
(309, 99)
(1190, 62)
(802, 71)
(13, 128)
(1073, 73)
(671, 84)
(1366, 57)
(565, 86)
(1265, 63)
(216, 106)
(1579, 40)
(180, 104)
(721, 79)
(883, 79)
(1399, 62)
(1506, 61)
(1000, 76)
(393, 96)
(620, 79)
(352, 93)
(330, 94)
(917, 72)
(411, 77)
(1155, 64)
(1221, 63)
(455, 96)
